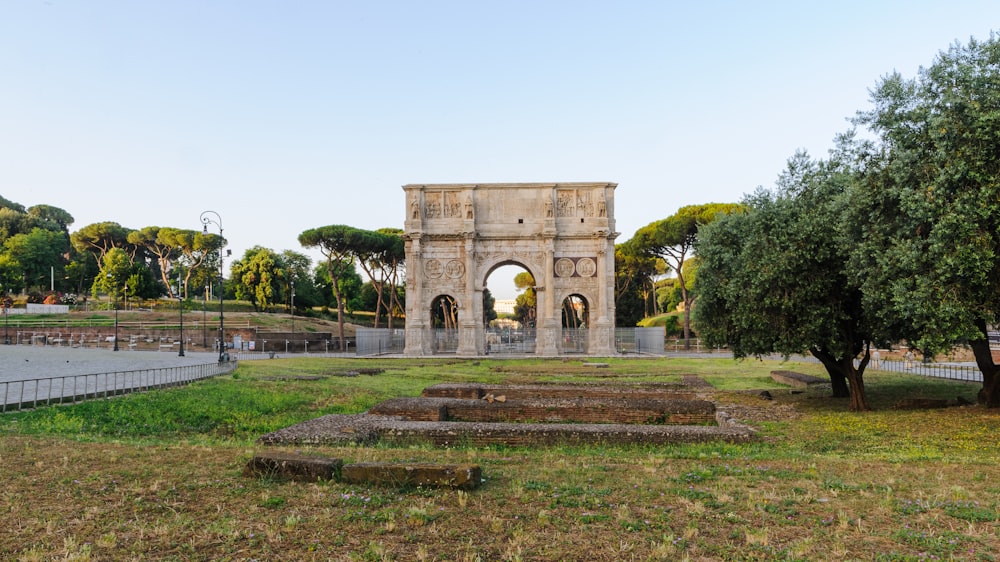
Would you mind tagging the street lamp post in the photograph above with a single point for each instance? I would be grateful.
(291, 308)
(206, 219)
(6, 305)
(180, 303)
(204, 321)
(115, 297)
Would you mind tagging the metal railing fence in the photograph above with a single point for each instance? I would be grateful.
(290, 344)
(379, 341)
(574, 340)
(504, 341)
(70, 389)
(192, 318)
(499, 341)
(950, 371)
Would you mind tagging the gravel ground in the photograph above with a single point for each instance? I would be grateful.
(765, 413)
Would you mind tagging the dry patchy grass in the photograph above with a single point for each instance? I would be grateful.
(824, 484)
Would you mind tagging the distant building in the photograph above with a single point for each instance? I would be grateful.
(505, 324)
(505, 306)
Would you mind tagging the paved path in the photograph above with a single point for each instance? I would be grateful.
(19, 362)
(50, 374)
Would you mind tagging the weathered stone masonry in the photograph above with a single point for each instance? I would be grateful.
(457, 234)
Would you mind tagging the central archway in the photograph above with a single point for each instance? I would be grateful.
(561, 233)
(513, 330)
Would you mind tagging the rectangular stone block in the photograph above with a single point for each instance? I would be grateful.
(293, 467)
(475, 391)
(462, 476)
(583, 410)
(799, 380)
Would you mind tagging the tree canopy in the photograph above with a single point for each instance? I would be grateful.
(774, 279)
(257, 276)
(99, 238)
(379, 254)
(928, 213)
(149, 238)
(36, 255)
(338, 244)
(34, 245)
(673, 240)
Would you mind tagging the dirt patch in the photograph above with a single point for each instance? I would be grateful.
(696, 383)
(770, 412)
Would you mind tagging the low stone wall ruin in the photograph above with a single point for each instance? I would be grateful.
(661, 391)
(562, 410)
(516, 415)
(304, 468)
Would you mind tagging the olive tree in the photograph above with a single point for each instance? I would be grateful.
(927, 213)
(774, 279)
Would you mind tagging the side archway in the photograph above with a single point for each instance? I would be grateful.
(575, 319)
(444, 317)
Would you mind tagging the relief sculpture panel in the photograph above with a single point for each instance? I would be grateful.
(575, 267)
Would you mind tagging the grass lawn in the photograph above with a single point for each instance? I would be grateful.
(158, 476)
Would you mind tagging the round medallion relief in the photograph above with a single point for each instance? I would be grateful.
(454, 269)
(433, 269)
(564, 267)
(586, 267)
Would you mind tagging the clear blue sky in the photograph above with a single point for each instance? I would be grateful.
(287, 115)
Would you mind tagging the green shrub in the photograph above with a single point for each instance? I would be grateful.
(670, 322)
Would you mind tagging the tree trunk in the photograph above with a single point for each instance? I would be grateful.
(687, 311)
(164, 262)
(855, 378)
(340, 306)
(378, 302)
(392, 304)
(340, 321)
(843, 374)
(839, 384)
(989, 395)
(645, 303)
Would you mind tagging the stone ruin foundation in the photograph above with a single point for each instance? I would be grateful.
(526, 415)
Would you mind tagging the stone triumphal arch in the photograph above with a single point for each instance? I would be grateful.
(562, 233)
